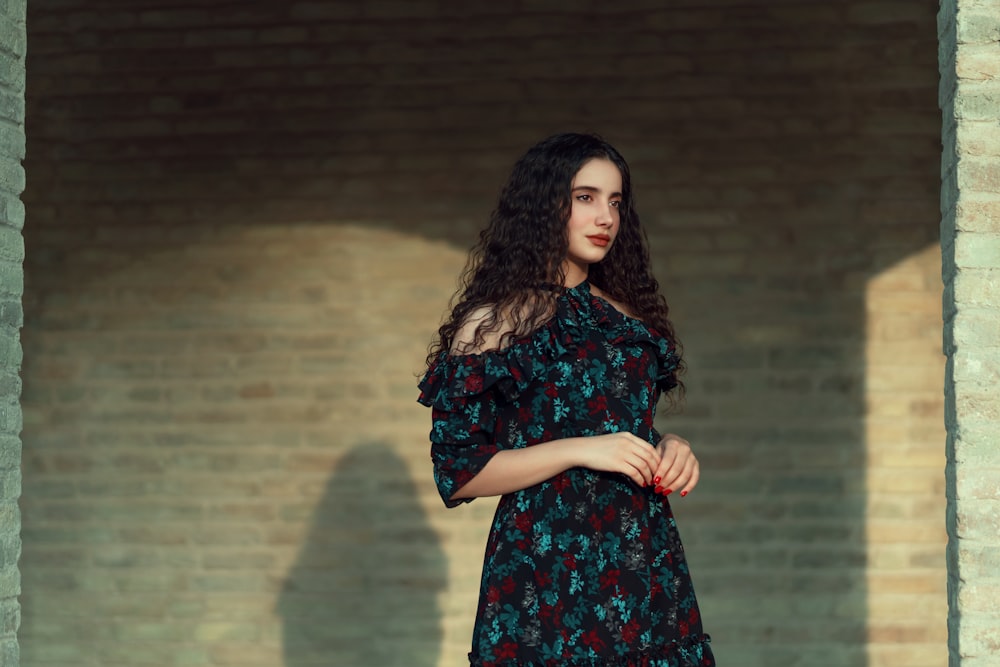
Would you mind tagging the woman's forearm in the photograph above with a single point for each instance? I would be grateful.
(514, 469)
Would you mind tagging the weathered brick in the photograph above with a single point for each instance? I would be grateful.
(977, 328)
(11, 241)
(974, 250)
(977, 25)
(977, 63)
(973, 483)
(982, 596)
(977, 102)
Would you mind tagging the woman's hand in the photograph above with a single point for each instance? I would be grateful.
(678, 468)
(622, 453)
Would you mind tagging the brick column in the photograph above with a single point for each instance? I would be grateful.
(969, 31)
(12, 47)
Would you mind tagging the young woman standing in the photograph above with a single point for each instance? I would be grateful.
(544, 382)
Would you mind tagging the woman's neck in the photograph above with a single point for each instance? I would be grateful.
(574, 274)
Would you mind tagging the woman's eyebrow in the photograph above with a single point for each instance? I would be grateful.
(591, 188)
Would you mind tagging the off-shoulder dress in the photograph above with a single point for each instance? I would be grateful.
(585, 569)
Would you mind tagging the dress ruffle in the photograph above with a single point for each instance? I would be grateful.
(691, 651)
(452, 379)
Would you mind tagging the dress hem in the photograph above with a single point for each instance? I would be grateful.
(692, 651)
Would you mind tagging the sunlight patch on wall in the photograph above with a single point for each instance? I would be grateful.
(232, 413)
(904, 525)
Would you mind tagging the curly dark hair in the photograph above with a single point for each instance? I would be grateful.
(522, 250)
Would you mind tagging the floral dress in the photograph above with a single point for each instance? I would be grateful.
(585, 569)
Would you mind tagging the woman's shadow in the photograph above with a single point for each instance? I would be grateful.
(364, 589)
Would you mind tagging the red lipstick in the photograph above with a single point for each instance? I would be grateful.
(600, 240)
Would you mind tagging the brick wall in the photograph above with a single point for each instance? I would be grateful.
(248, 218)
(970, 239)
(12, 43)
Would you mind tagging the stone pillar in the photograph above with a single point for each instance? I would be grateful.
(12, 49)
(969, 34)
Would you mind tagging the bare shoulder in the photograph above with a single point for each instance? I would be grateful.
(618, 305)
(496, 326)
(489, 321)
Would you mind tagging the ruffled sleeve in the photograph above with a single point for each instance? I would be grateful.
(466, 393)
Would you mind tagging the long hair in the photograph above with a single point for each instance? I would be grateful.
(521, 251)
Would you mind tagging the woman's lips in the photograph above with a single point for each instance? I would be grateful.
(600, 241)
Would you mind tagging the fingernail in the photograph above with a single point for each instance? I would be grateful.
(659, 489)
(683, 493)
(669, 491)
(656, 480)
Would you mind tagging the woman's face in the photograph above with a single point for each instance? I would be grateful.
(594, 218)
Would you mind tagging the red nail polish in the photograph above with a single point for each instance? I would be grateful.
(683, 493)
(669, 491)
(659, 489)
(656, 480)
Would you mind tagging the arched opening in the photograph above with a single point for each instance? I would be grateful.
(206, 180)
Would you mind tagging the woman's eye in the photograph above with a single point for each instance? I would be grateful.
(616, 204)
(583, 197)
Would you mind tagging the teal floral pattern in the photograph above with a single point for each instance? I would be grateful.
(585, 569)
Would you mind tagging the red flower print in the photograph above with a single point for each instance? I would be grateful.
(597, 405)
(507, 652)
(474, 383)
(630, 631)
(593, 640)
(462, 477)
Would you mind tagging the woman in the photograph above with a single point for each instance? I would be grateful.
(544, 382)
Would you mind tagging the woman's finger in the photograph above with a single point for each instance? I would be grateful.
(641, 463)
(678, 477)
(693, 482)
(663, 468)
(681, 481)
(635, 469)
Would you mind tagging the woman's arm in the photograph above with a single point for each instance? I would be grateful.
(514, 469)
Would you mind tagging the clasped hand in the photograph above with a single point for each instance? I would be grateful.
(670, 466)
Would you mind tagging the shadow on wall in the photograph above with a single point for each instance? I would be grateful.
(370, 568)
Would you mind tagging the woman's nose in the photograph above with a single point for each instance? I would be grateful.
(604, 216)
